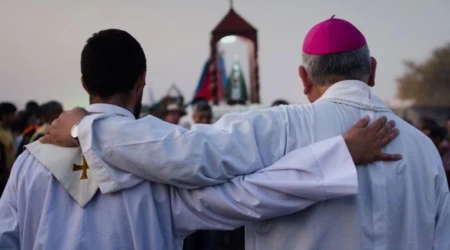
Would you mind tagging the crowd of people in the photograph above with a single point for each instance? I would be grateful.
(287, 177)
(18, 128)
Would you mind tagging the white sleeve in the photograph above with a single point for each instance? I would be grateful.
(9, 217)
(442, 227)
(291, 184)
(205, 155)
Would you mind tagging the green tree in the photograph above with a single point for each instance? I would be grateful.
(427, 83)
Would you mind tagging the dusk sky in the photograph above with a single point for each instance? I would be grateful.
(41, 41)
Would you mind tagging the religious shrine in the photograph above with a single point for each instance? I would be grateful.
(214, 85)
(227, 93)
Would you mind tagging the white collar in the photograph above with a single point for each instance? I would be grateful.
(354, 93)
(109, 109)
(61, 162)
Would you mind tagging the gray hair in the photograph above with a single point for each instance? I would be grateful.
(326, 69)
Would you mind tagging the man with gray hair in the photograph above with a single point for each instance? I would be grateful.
(400, 205)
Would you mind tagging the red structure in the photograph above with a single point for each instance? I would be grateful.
(234, 25)
(204, 86)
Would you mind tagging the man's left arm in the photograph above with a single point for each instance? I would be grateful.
(291, 184)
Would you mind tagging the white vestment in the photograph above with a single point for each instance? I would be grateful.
(46, 207)
(402, 205)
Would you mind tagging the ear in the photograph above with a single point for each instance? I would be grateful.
(307, 83)
(141, 84)
(373, 72)
(84, 85)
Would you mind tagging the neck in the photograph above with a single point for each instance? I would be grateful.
(317, 92)
(322, 89)
(121, 101)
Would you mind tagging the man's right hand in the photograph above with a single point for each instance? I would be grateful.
(366, 142)
(58, 133)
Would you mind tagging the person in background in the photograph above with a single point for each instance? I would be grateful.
(31, 121)
(279, 102)
(202, 113)
(7, 118)
(172, 112)
(31, 106)
(7, 142)
(204, 239)
(49, 112)
(430, 128)
(446, 143)
(33, 113)
(17, 127)
(3, 169)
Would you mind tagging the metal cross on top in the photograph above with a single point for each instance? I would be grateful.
(84, 167)
(231, 4)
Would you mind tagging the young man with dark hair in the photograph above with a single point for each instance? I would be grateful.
(51, 199)
(108, 78)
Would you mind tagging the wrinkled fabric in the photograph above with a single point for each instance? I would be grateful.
(36, 212)
(401, 205)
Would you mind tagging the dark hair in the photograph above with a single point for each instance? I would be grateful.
(202, 106)
(198, 99)
(279, 102)
(111, 63)
(427, 123)
(31, 105)
(436, 131)
(51, 110)
(19, 124)
(7, 108)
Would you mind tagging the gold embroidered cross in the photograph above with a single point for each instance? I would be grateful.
(84, 167)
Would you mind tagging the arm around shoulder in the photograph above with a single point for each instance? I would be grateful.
(293, 183)
(165, 153)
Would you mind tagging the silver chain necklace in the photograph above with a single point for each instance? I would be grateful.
(357, 104)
